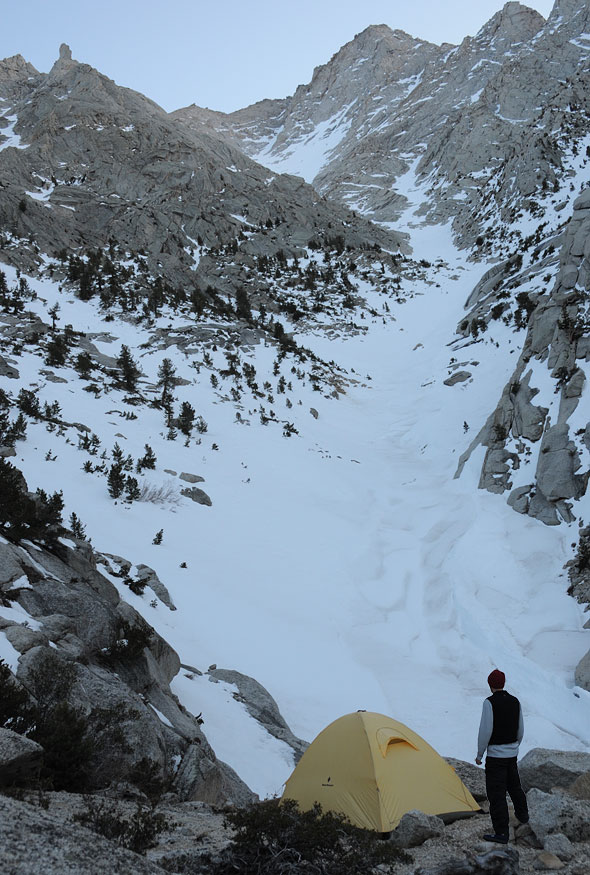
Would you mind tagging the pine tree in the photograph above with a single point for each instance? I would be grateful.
(57, 350)
(16, 712)
(16, 431)
(129, 370)
(187, 418)
(243, 310)
(117, 455)
(83, 364)
(166, 378)
(132, 489)
(53, 312)
(167, 381)
(148, 460)
(77, 529)
(37, 517)
(116, 477)
(28, 402)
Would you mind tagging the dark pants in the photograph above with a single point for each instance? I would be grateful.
(502, 777)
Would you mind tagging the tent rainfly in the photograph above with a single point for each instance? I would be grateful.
(373, 770)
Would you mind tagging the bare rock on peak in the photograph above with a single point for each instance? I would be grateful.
(64, 62)
(147, 576)
(558, 813)
(515, 21)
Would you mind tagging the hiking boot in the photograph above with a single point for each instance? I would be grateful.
(501, 838)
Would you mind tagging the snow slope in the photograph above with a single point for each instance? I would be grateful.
(343, 567)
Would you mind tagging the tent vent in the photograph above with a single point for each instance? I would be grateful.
(386, 740)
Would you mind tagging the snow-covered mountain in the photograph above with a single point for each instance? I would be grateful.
(338, 388)
(492, 135)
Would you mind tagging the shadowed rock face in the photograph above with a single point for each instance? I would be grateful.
(88, 632)
(20, 758)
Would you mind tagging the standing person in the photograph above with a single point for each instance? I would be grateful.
(500, 732)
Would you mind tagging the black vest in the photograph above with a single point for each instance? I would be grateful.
(506, 709)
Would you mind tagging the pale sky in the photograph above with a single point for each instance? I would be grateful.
(224, 55)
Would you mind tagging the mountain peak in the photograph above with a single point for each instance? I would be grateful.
(386, 52)
(514, 22)
(65, 60)
(375, 34)
(15, 67)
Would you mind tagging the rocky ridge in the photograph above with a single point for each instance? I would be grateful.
(377, 105)
(174, 196)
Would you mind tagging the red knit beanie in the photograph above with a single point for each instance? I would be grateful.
(497, 679)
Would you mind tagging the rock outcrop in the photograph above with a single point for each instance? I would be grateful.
(556, 339)
(261, 705)
(31, 835)
(114, 663)
(415, 828)
(20, 759)
(546, 769)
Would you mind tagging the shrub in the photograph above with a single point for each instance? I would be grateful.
(129, 643)
(273, 839)
(500, 432)
(166, 493)
(111, 749)
(63, 733)
(16, 712)
(147, 776)
(51, 680)
(137, 833)
(37, 518)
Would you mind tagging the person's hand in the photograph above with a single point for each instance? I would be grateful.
(478, 761)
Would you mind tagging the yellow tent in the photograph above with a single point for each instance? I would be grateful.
(373, 769)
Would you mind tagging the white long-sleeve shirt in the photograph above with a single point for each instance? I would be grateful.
(486, 727)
